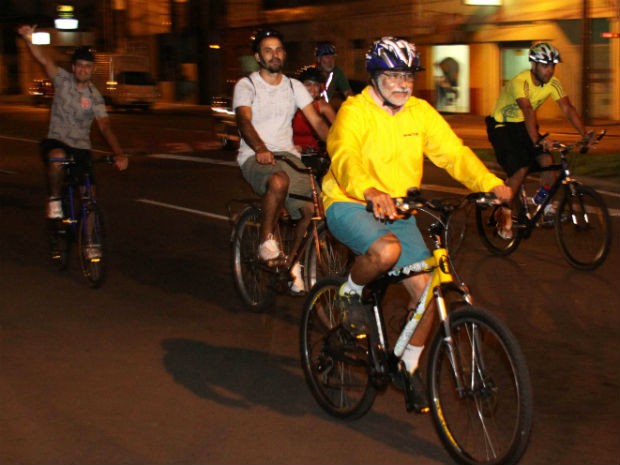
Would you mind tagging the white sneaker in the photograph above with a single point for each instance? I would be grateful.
(54, 209)
(550, 211)
(269, 250)
(297, 286)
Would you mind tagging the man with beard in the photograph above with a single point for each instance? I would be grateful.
(513, 126)
(76, 103)
(377, 146)
(337, 87)
(264, 104)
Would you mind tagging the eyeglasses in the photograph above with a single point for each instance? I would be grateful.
(394, 76)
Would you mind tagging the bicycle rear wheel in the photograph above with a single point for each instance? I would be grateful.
(583, 227)
(335, 364)
(91, 245)
(486, 222)
(488, 418)
(331, 260)
(253, 282)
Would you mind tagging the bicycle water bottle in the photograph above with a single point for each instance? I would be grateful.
(541, 194)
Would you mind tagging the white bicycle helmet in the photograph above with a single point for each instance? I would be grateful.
(391, 53)
(545, 53)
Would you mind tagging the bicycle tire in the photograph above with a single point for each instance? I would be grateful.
(335, 364)
(335, 258)
(583, 227)
(487, 231)
(91, 245)
(252, 282)
(490, 420)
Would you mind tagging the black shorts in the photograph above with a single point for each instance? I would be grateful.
(512, 145)
(83, 158)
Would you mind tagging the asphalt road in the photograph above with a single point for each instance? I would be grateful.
(163, 364)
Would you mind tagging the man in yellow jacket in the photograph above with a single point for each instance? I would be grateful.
(377, 145)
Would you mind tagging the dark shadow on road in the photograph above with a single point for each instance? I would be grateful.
(242, 378)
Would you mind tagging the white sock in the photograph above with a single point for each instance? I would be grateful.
(411, 356)
(350, 287)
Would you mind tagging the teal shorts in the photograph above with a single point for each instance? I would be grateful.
(357, 228)
(257, 175)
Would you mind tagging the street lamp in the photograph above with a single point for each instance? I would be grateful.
(66, 19)
(41, 38)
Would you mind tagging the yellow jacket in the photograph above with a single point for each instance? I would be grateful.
(370, 148)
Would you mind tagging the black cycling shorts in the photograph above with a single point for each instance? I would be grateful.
(512, 144)
(83, 158)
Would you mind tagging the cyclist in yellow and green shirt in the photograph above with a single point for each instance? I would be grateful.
(377, 145)
(513, 127)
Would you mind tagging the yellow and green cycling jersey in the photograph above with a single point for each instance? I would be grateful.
(521, 86)
(369, 147)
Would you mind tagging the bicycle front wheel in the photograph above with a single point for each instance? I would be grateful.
(583, 227)
(335, 364)
(486, 222)
(482, 410)
(252, 281)
(332, 259)
(91, 245)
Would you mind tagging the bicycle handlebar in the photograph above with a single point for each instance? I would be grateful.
(108, 160)
(413, 201)
(584, 143)
(305, 169)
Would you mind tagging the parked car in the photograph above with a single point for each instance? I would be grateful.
(41, 92)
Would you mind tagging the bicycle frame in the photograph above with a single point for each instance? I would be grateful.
(442, 276)
(529, 220)
(85, 195)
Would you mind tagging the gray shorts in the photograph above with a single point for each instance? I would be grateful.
(258, 174)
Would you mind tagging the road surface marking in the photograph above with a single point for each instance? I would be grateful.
(184, 209)
(213, 161)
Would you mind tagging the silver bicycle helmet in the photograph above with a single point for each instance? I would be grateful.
(545, 53)
(324, 48)
(391, 53)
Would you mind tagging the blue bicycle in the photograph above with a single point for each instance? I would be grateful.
(82, 221)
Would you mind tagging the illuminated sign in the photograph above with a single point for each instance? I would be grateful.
(610, 35)
(65, 18)
(41, 38)
(483, 2)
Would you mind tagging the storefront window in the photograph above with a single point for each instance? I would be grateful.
(451, 72)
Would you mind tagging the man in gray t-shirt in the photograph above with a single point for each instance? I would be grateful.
(264, 104)
(77, 102)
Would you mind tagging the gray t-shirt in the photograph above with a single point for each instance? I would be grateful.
(273, 108)
(73, 111)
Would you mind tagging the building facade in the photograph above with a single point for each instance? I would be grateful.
(469, 51)
(198, 48)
